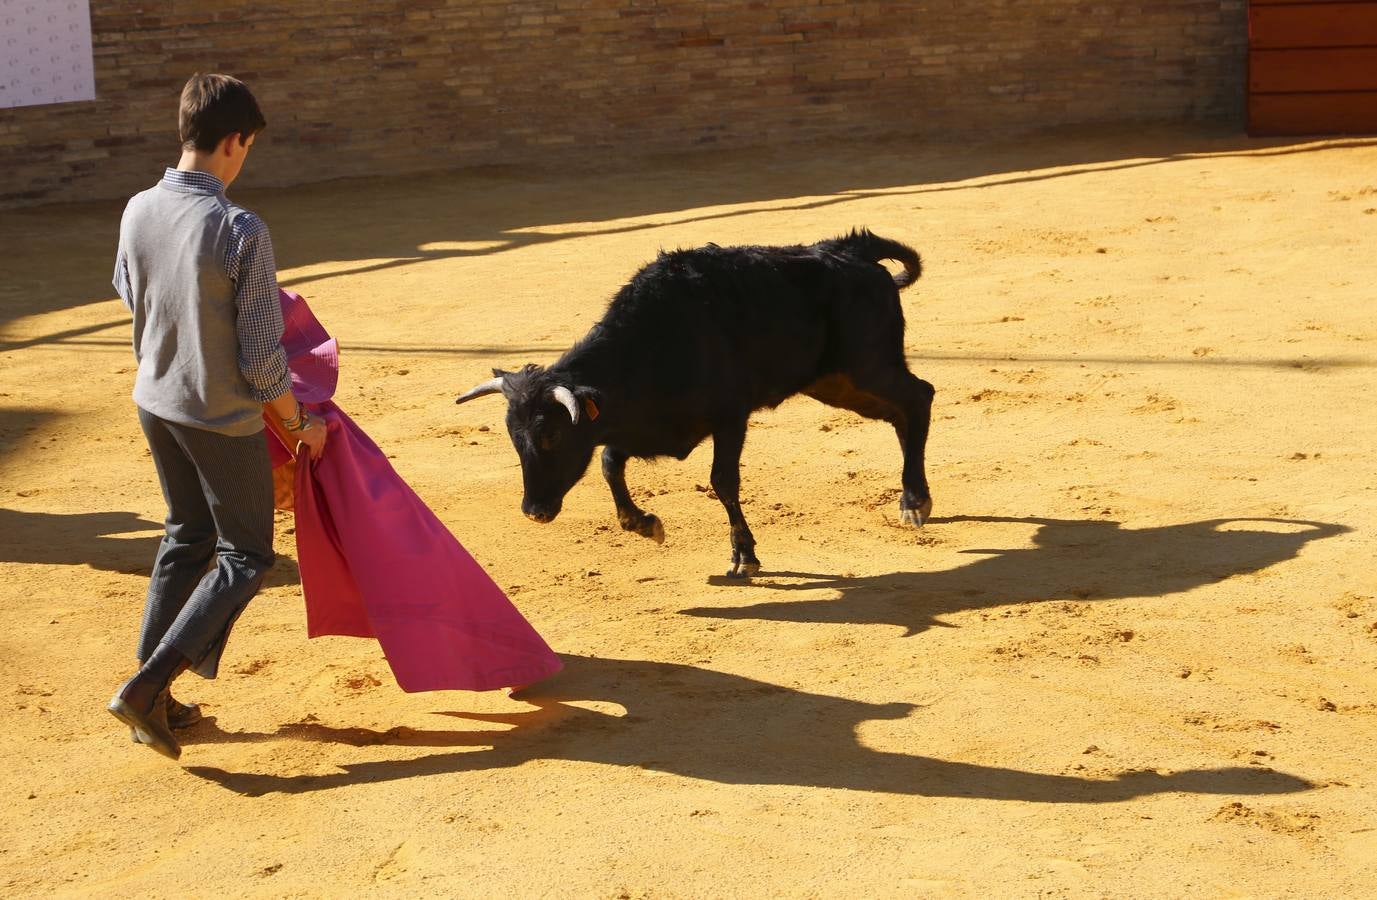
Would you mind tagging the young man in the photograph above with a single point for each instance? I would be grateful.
(197, 272)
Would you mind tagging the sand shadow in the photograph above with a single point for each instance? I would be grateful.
(1071, 560)
(713, 726)
(502, 210)
(85, 538)
(78, 539)
(20, 429)
(421, 218)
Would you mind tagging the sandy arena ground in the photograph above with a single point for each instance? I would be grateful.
(1134, 655)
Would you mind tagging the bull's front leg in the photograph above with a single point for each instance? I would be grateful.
(631, 517)
(726, 481)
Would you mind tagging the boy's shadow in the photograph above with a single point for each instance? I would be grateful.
(715, 726)
(1072, 559)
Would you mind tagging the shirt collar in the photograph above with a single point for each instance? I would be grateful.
(192, 182)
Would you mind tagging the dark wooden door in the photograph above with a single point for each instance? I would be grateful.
(1312, 67)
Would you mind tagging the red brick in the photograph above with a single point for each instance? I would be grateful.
(376, 86)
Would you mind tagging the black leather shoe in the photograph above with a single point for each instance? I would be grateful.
(182, 715)
(179, 715)
(150, 726)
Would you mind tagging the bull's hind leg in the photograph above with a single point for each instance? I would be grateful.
(905, 401)
(631, 517)
(726, 482)
(915, 506)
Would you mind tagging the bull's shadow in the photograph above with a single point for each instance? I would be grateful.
(715, 726)
(1071, 559)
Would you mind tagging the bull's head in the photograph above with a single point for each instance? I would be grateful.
(550, 425)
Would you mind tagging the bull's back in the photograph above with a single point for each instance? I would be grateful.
(747, 327)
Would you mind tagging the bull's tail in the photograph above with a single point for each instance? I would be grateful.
(872, 248)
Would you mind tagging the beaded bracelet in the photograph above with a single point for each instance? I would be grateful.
(299, 422)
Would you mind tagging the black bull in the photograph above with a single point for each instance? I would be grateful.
(697, 341)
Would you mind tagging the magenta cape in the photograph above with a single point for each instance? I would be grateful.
(376, 562)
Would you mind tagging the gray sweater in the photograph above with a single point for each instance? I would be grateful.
(174, 242)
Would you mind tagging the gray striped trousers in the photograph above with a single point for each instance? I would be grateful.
(218, 545)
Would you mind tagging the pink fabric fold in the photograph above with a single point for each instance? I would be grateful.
(313, 356)
(376, 562)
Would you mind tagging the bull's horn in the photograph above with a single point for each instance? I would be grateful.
(487, 387)
(566, 399)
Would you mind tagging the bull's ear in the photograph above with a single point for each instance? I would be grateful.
(591, 401)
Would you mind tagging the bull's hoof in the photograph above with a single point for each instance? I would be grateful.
(652, 528)
(646, 525)
(743, 570)
(916, 517)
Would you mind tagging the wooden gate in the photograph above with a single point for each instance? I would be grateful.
(1312, 67)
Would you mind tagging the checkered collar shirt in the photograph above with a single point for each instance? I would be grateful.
(192, 182)
(250, 265)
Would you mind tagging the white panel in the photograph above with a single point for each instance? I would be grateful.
(45, 52)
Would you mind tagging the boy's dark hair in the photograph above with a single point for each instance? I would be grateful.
(214, 106)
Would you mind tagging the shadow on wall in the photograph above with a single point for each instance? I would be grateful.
(61, 257)
(715, 726)
(1071, 560)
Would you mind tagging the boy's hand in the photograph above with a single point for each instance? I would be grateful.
(313, 436)
(291, 413)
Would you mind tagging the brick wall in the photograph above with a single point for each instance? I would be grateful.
(354, 87)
